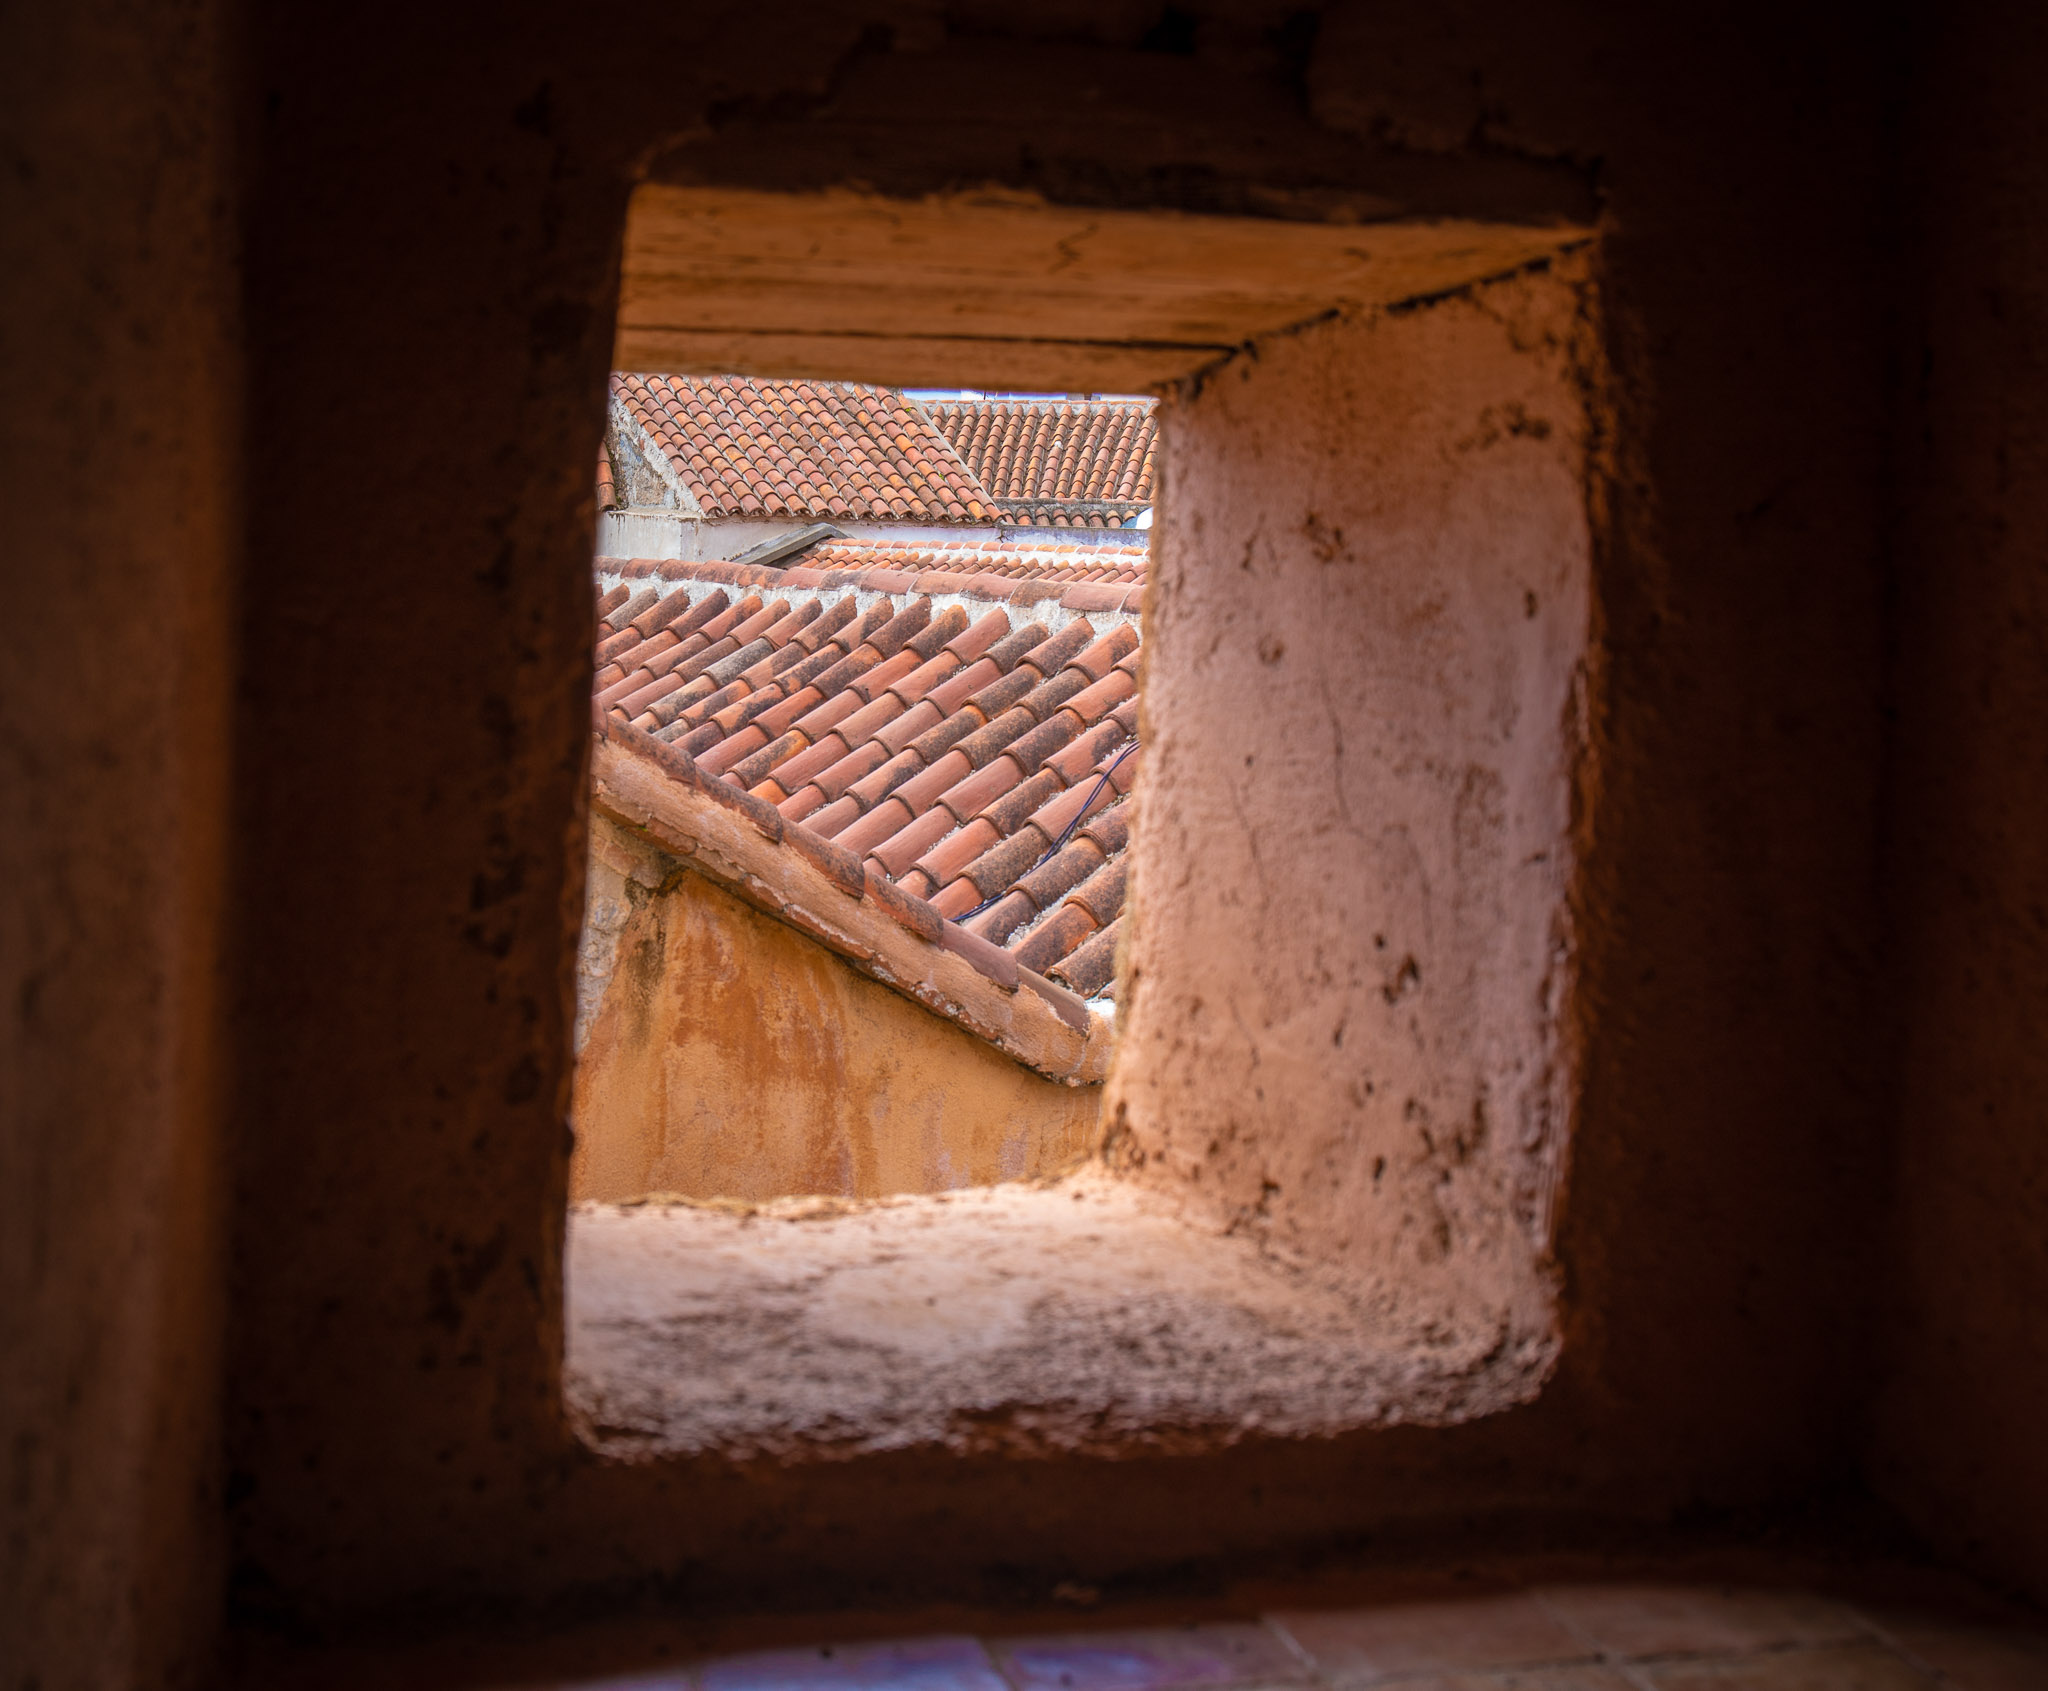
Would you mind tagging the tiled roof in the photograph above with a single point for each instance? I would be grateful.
(975, 755)
(1060, 560)
(800, 449)
(1056, 462)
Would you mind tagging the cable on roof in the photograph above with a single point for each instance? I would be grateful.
(1066, 834)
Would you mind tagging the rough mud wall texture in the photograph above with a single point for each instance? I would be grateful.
(117, 497)
(434, 208)
(729, 1056)
(1961, 1441)
(1344, 997)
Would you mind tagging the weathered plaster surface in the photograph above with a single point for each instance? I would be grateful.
(728, 1055)
(1349, 958)
(1085, 1315)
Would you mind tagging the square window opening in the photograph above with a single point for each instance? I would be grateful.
(1290, 1163)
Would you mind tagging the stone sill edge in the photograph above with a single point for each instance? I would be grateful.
(649, 787)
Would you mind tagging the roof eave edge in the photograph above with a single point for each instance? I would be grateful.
(725, 848)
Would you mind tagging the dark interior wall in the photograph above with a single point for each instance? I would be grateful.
(432, 237)
(1961, 1441)
(117, 495)
(431, 203)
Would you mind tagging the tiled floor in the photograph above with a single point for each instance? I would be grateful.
(1548, 1638)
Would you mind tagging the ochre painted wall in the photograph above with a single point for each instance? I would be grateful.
(732, 1057)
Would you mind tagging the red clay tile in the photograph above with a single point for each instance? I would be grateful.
(1074, 863)
(1032, 748)
(917, 721)
(886, 820)
(611, 599)
(1053, 655)
(981, 789)
(943, 631)
(990, 960)
(1054, 937)
(1102, 894)
(901, 850)
(920, 792)
(723, 754)
(1103, 655)
(877, 682)
(1091, 965)
(913, 913)
(885, 779)
(864, 759)
(821, 719)
(1079, 758)
(955, 900)
(800, 803)
(813, 761)
(1093, 703)
(622, 619)
(662, 612)
(955, 690)
(1067, 1004)
(617, 647)
(815, 450)
(842, 866)
(1002, 919)
(944, 862)
(834, 818)
(1093, 596)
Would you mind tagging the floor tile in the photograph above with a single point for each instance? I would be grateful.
(1151, 1659)
(1975, 1659)
(656, 1679)
(1663, 1620)
(1834, 1667)
(1559, 1676)
(915, 1664)
(1358, 1646)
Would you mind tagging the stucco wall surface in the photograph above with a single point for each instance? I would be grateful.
(729, 1056)
(1368, 618)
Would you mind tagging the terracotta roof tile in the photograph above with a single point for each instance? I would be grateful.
(947, 749)
(1089, 967)
(942, 565)
(1049, 451)
(804, 450)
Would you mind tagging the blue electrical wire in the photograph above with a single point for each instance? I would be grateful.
(1066, 834)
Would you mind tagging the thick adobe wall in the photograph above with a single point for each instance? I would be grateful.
(433, 202)
(1347, 991)
(413, 742)
(1960, 1443)
(729, 1056)
(414, 738)
(118, 488)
